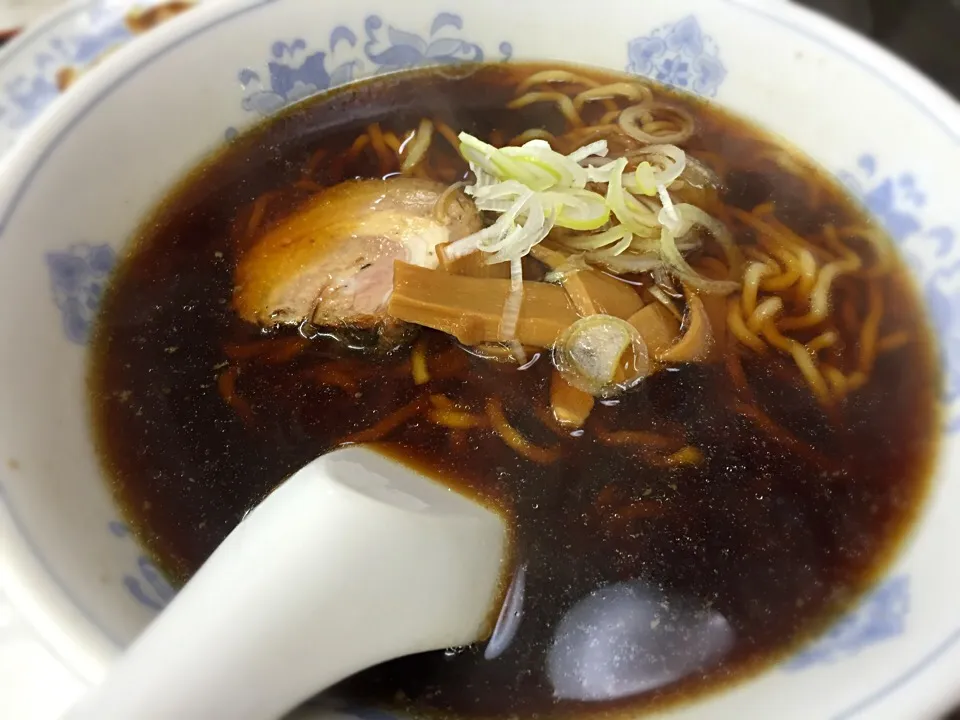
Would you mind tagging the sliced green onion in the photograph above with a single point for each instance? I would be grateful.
(535, 163)
(592, 351)
(511, 308)
(534, 189)
(628, 210)
(691, 215)
(579, 209)
(566, 172)
(617, 249)
(646, 179)
(602, 173)
(536, 227)
(681, 268)
(594, 149)
(598, 240)
(492, 160)
(668, 212)
(493, 235)
(672, 159)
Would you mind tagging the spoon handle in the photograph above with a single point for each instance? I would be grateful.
(332, 573)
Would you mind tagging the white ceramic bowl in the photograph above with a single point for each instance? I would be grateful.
(76, 188)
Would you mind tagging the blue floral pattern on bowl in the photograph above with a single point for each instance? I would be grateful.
(679, 54)
(881, 616)
(298, 69)
(146, 584)
(897, 202)
(26, 95)
(78, 276)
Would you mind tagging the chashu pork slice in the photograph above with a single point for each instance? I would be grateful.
(331, 262)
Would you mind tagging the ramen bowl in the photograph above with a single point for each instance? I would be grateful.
(78, 186)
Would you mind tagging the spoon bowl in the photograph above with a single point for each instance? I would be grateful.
(354, 560)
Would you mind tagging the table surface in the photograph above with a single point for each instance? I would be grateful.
(36, 686)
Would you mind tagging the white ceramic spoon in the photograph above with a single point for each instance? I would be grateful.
(356, 559)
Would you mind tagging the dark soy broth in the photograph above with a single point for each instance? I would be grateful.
(787, 516)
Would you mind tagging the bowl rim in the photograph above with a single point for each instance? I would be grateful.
(64, 20)
(897, 74)
(40, 595)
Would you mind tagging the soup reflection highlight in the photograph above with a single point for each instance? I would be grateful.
(679, 359)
